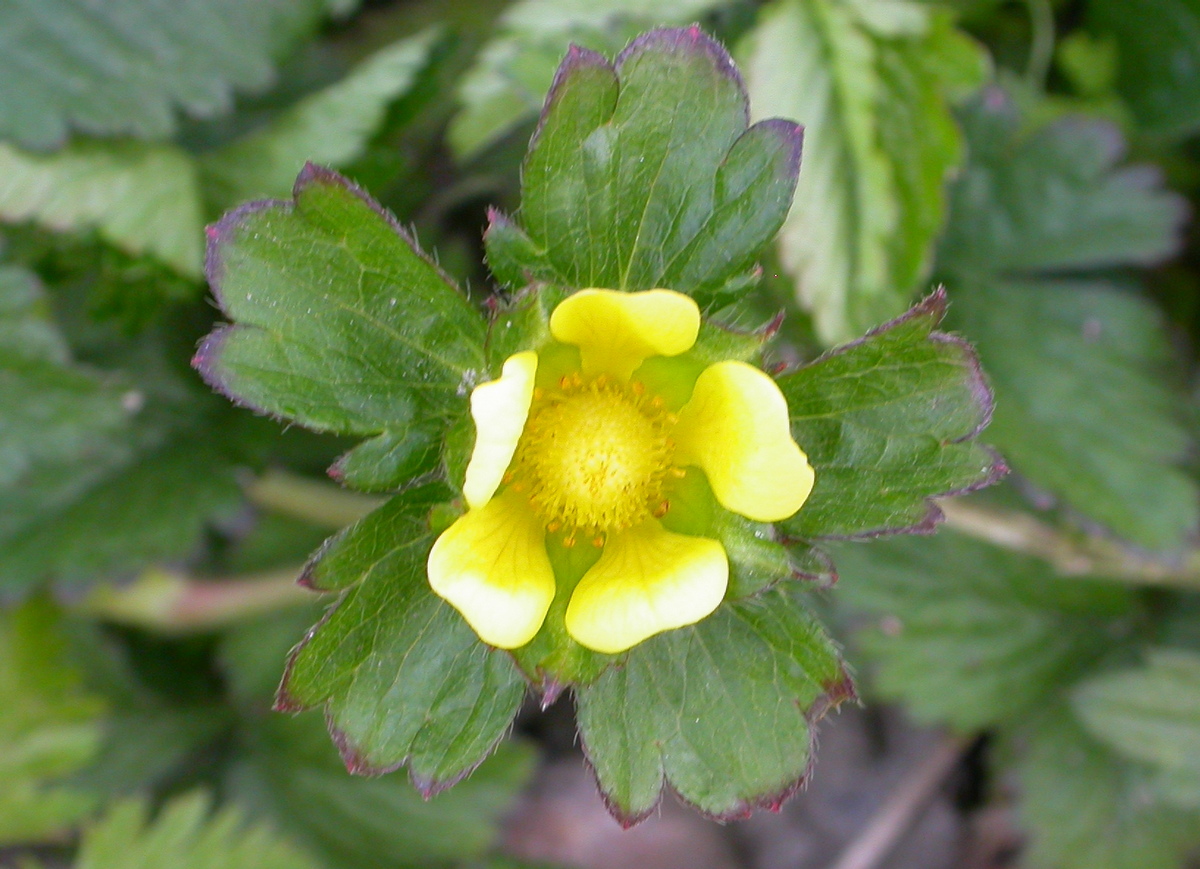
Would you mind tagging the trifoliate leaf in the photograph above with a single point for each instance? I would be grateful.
(514, 70)
(52, 409)
(126, 66)
(329, 127)
(1151, 713)
(973, 635)
(290, 774)
(1158, 58)
(341, 323)
(1081, 367)
(402, 677)
(888, 422)
(184, 835)
(50, 726)
(142, 198)
(721, 712)
(1087, 807)
(869, 82)
(642, 173)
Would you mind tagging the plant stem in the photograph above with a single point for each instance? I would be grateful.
(1041, 43)
(1085, 557)
(172, 602)
(314, 501)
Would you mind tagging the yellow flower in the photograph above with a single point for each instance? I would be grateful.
(588, 455)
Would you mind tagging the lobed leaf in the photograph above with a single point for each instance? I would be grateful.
(402, 677)
(722, 712)
(888, 423)
(341, 323)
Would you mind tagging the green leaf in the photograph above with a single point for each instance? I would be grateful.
(291, 775)
(643, 173)
(888, 422)
(1085, 406)
(1088, 808)
(402, 677)
(504, 87)
(125, 66)
(50, 726)
(53, 409)
(184, 835)
(1151, 713)
(1052, 201)
(113, 512)
(973, 635)
(722, 712)
(869, 82)
(330, 127)
(342, 324)
(1158, 45)
(142, 198)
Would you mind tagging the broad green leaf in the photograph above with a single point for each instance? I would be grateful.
(330, 127)
(112, 512)
(505, 86)
(290, 773)
(1082, 370)
(973, 635)
(402, 677)
(1151, 713)
(722, 712)
(126, 66)
(888, 422)
(184, 835)
(642, 173)
(869, 83)
(142, 198)
(50, 726)
(1054, 200)
(1158, 45)
(1085, 405)
(51, 408)
(1088, 808)
(341, 323)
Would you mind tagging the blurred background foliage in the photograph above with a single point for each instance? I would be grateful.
(1041, 159)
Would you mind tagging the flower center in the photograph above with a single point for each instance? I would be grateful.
(594, 455)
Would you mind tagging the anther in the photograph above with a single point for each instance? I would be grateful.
(661, 509)
(539, 393)
(553, 526)
(598, 541)
(671, 418)
(656, 402)
(639, 388)
(564, 383)
(508, 477)
(677, 472)
(569, 542)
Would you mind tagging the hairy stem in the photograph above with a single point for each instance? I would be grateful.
(315, 501)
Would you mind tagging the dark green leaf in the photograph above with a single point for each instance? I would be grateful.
(290, 774)
(341, 323)
(1084, 406)
(1151, 713)
(331, 127)
(1088, 808)
(184, 836)
(142, 198)
(869, 82)
(1159, 59)
(402, 677)
(889, 422)
(125, 66)
(973, 635)
(643, 173)
(722, 711)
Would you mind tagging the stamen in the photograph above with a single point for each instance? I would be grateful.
(662, 509)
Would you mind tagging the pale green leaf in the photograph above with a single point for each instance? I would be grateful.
(869, 84)
(721, 712)
(125, 66)
(968, 634)
(330, 127)
(142, 198)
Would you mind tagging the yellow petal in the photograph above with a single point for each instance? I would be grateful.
(647, 580)
(735, 428)
(491, 565)
(499, 408)
(615, 332)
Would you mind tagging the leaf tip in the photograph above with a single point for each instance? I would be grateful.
(688, 40)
